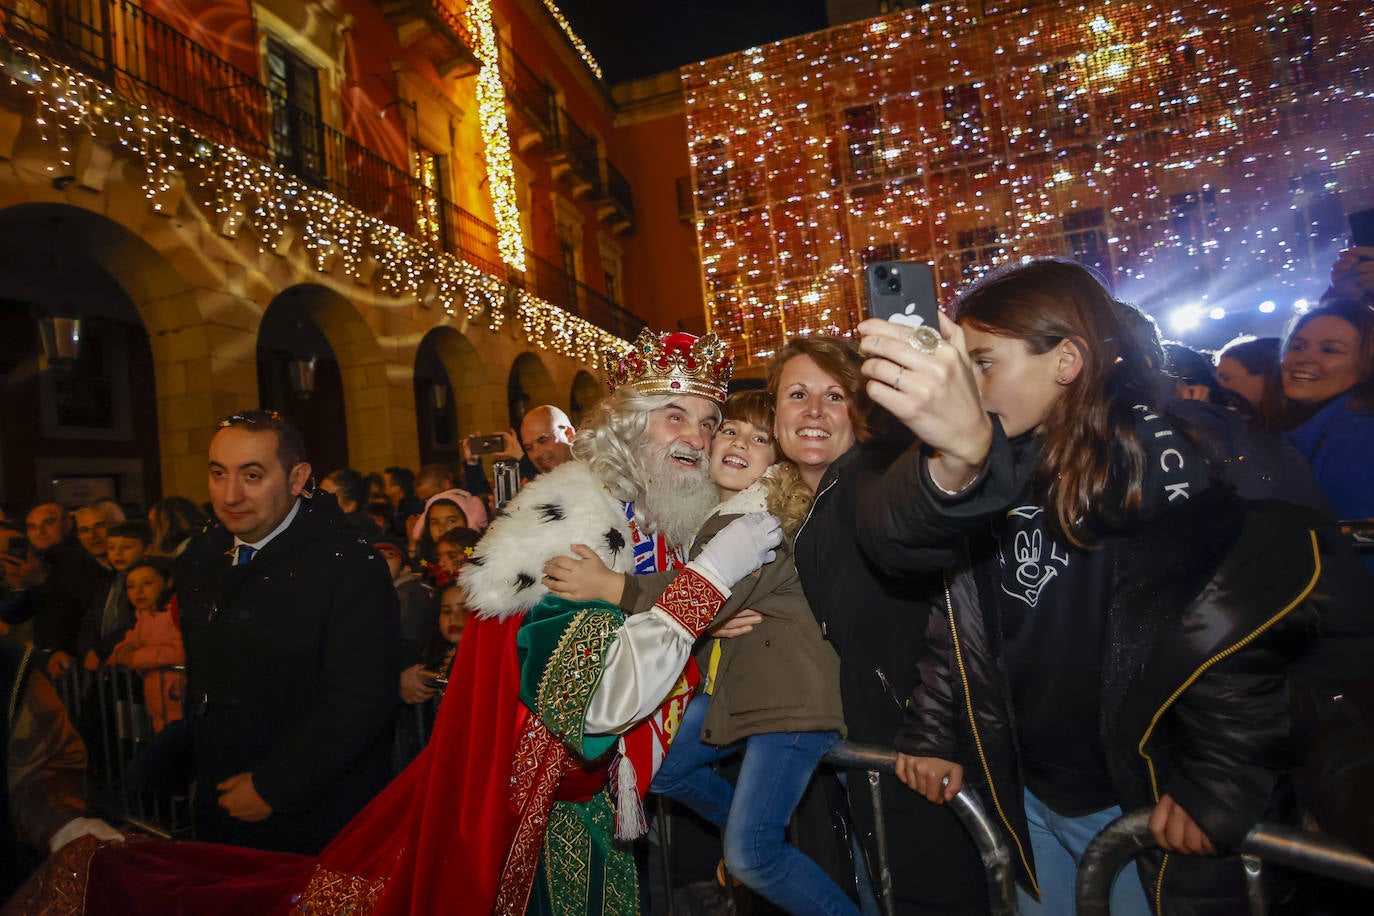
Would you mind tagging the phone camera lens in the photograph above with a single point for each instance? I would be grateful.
(881, 272)
(895, 284)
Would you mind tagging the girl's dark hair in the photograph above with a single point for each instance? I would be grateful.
(163, 568)
(1090, 432)
(464, 538)
(175, 518)
(425, 546)
(1361, 318)
(1260, 356)
(840, 360)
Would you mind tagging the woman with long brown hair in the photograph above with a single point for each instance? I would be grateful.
(1114, 627)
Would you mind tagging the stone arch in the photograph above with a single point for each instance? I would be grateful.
(447, 358)
(586, 392)
(375, 404)
(528, 385)
(196, 369)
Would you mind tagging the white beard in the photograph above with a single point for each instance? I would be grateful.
(676, 499)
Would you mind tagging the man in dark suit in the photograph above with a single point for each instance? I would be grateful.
(292, 648)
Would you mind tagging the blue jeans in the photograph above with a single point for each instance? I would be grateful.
(754, 812)
(1057, 843)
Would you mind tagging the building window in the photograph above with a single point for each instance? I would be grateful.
(1084, 238)
(963, 109)
(980, 250)
(1193, 219)
(429, 206)
(297, 129)
(1065, 100)
(863, 132)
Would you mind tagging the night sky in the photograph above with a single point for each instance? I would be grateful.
(633, 39)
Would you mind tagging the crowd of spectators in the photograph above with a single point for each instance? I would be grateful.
(368, 591)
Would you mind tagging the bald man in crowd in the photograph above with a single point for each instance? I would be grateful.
(546, 435)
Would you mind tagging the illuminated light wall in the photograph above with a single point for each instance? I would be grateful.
(1191, 151)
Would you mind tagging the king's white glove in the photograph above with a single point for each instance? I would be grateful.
(738, 549)
(84, 826)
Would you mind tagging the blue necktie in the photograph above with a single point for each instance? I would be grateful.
(244, 555)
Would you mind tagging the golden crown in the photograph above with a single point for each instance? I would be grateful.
(673, 363)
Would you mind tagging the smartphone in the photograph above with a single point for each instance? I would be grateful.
(507, 474)
(486, 445)
(1362, 228)
(433, 679)
(18, 547)
(904, 292)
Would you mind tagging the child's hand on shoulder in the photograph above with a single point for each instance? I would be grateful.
(583, 577)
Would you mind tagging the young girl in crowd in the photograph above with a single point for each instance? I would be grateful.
(771, 694)
(1115, 629)
(420, 690)
(154, 643)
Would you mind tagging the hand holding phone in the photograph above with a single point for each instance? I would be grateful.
(486, 445)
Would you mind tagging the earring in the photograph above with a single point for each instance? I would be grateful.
(1063, 380)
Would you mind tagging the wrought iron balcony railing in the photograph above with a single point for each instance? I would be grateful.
(575, 152)
(531, 96)
(551, 283)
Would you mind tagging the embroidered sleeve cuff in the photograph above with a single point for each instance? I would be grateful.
(693, 600)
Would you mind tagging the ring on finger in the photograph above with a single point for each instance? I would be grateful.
(924, 338)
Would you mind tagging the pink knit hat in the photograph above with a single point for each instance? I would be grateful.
(472, 506)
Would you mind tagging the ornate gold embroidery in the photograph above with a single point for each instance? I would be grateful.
(59, 887)
(568, 860)
(540, 761)
(332, 893)
(573, 671)
(692, 601)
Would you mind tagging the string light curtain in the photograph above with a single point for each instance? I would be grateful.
(1182, 148)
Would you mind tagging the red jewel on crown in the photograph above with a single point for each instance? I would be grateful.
(672, 363)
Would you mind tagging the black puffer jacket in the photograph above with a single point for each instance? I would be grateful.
(1210, 602)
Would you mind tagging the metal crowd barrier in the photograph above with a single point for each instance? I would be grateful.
(1129, 835)
(108, 710)
(992, 848)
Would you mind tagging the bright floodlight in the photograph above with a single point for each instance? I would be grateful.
(1186, 318)
(1267, 306)
(1217, 313)
(1300, 305)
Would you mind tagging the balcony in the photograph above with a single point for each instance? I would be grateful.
(616, 207)
(551, 283)
(573, 156)
(531, 101)
(154, 64)
(438, 32)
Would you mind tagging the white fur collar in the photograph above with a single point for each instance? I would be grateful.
(568, 505)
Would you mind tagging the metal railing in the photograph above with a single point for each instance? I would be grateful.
(580, 147)
(618, 191)
(531, 96)
(992, 848)
(1129, 835)
(108, 710)
(552, 283)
